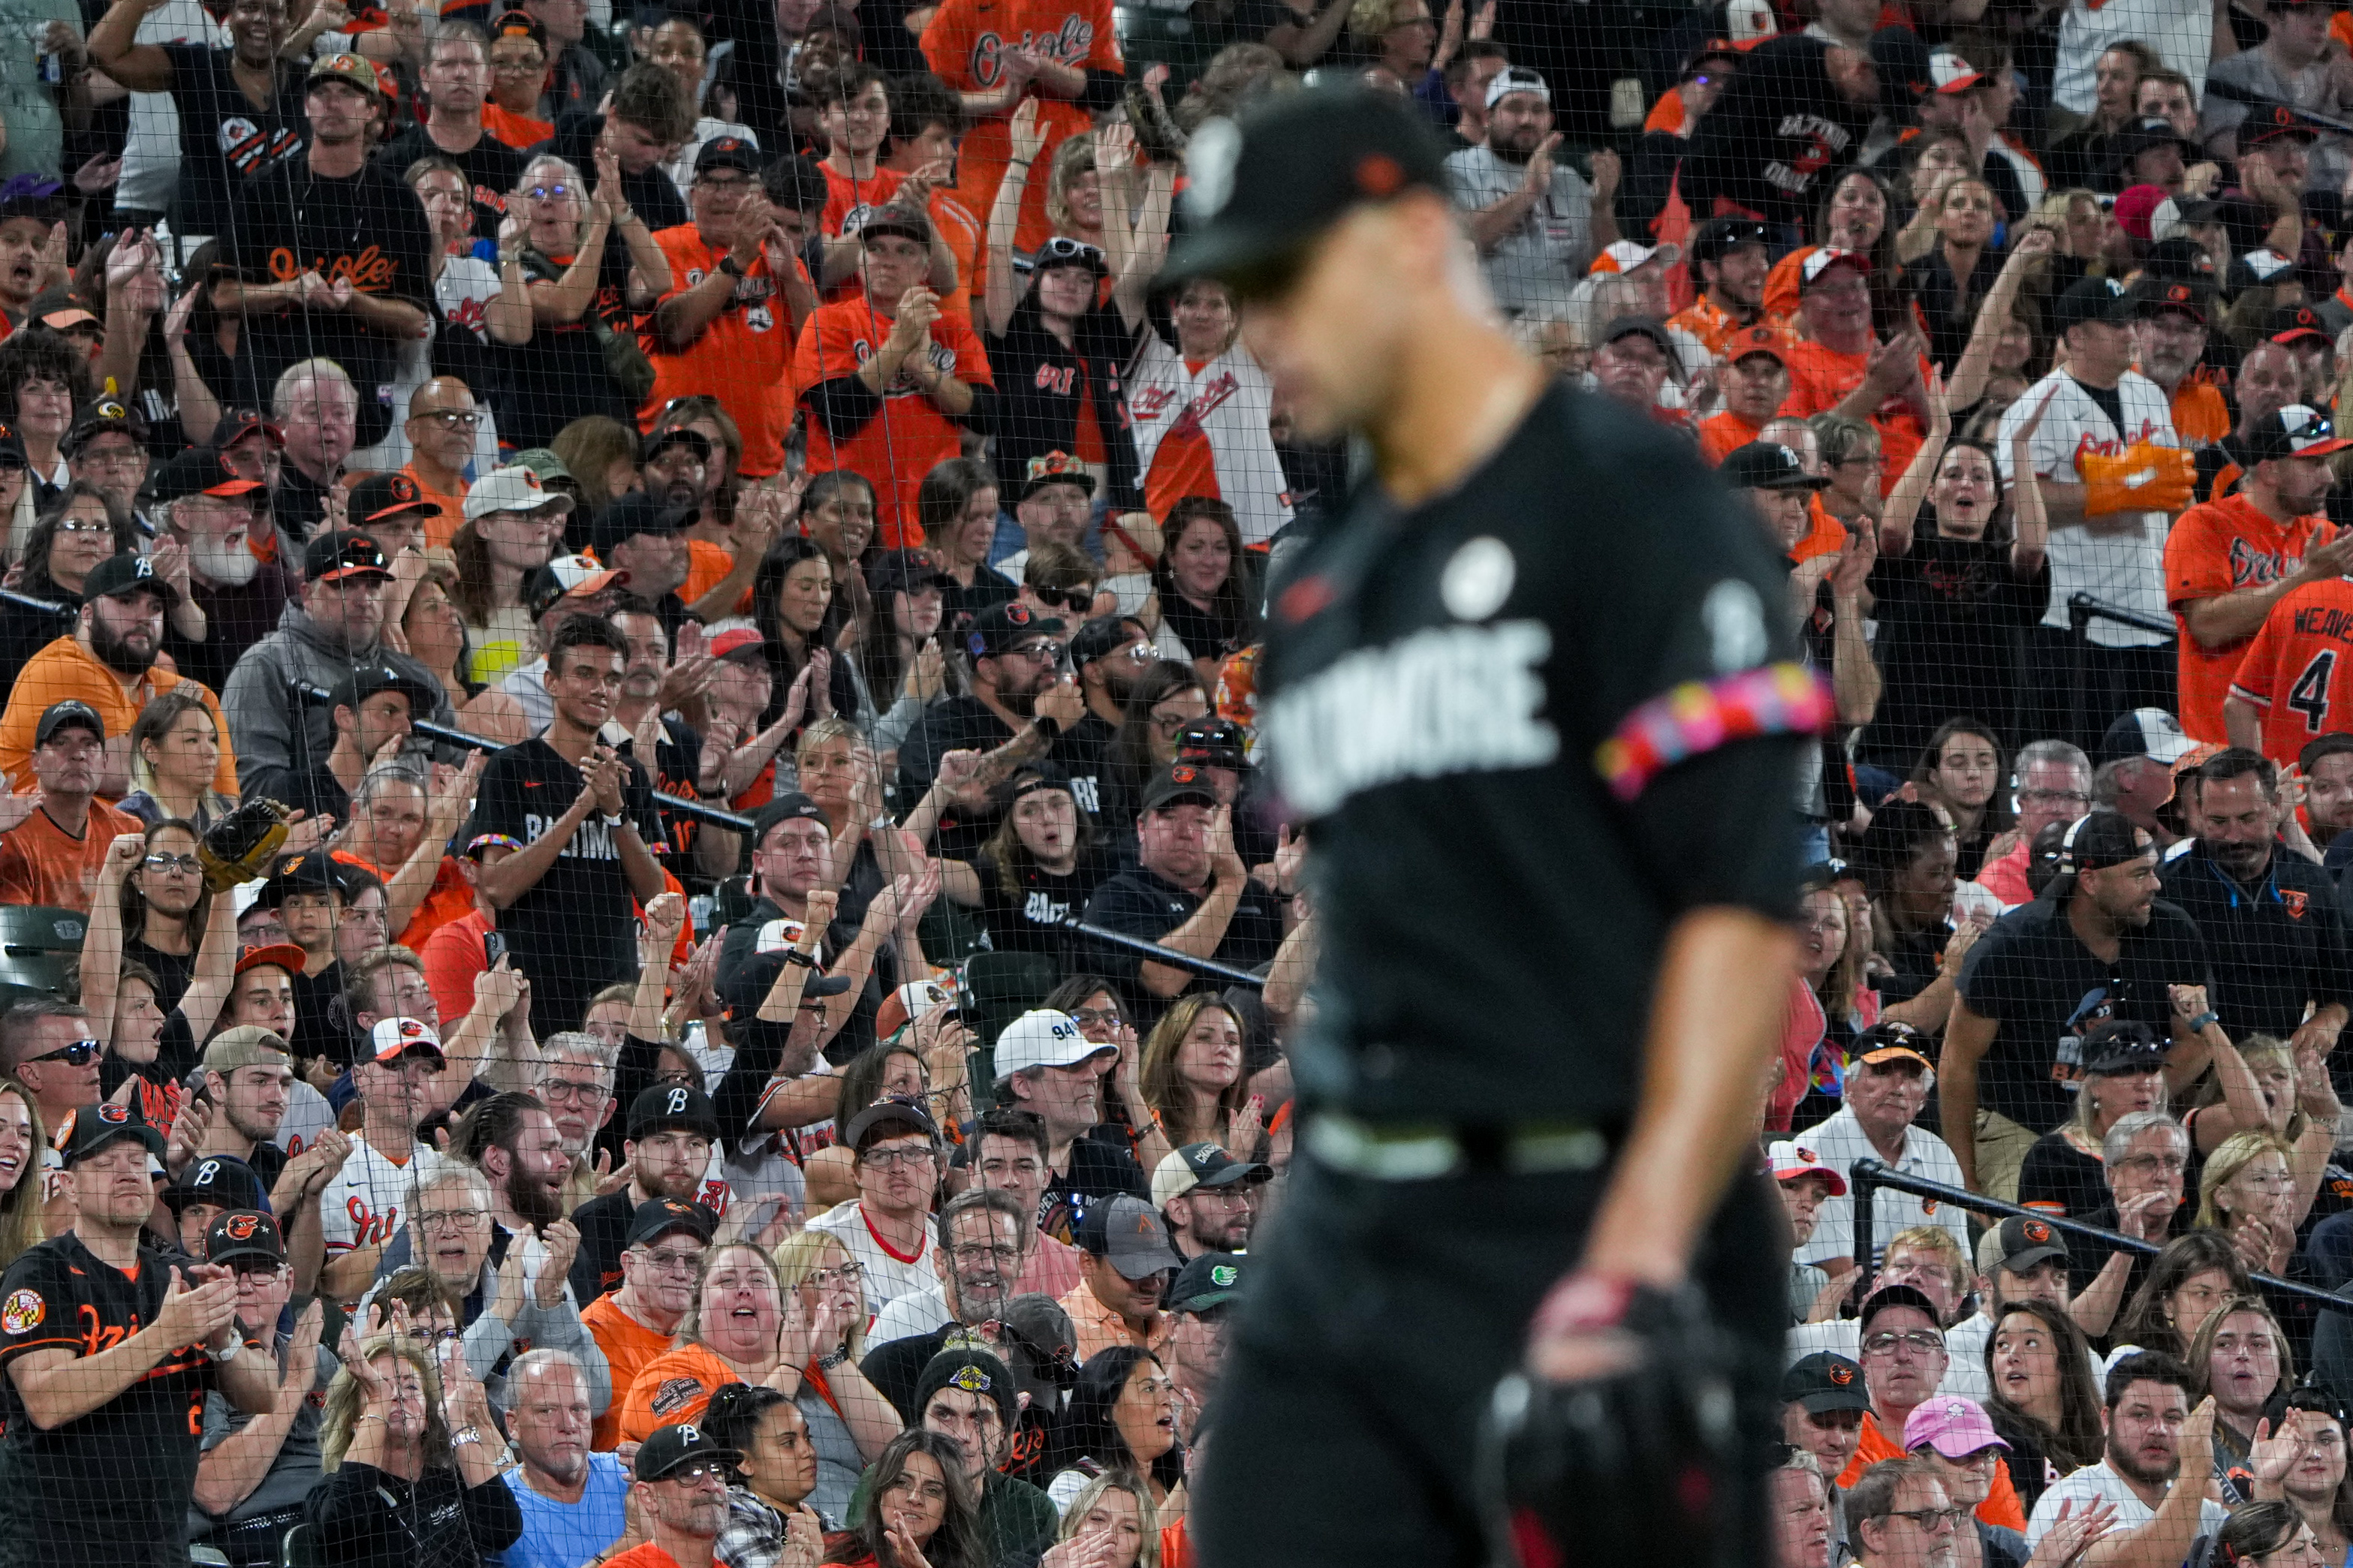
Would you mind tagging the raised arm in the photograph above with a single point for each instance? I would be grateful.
(1899, 517)
(114, 47)
(1975, 367)
(101, 948)
(1003, 289)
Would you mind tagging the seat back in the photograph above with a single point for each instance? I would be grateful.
(37, 944)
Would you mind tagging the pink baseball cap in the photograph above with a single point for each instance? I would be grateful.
(1955, 1427)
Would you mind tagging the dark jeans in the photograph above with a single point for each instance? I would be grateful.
(1378, 1321)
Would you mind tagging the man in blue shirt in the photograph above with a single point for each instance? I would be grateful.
(574, 1502)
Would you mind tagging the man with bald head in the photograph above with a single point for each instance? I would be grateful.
(443, 422)
(2269, 379)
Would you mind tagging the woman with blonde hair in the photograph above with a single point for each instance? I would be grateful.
(2248, 1192)
(1193, 1086)
(1109, 1524)
(175, 745)
(409, 1453)
(850, 1420)
(743, 1325)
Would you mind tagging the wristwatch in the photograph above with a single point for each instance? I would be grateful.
(795, 955)
(730, 265)
(222, 1358)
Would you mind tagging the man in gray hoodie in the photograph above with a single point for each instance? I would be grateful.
(335, 627)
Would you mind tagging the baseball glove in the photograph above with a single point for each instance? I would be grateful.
(1637, 1466)
(240, 847)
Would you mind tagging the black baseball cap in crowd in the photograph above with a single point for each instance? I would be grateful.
(2026, 1242)
(1214, 742)
(1649, 327)
(2155, 296)
(1212, 1281)
(1001, 625)
(656, 1217)
(380, 496)
(890, 1116)
(1720, 236)
(305, 873)
(1768, 466)
(198, 470)
(673, 1108)
(2144, 135)
(1888, 1296)
(2122, 1046)
(670, 435)
(128, 573)
(1056, 468)
(2269, 122)
(727, 153)
(743, 990)
(2100, 838)
(2182, 259)
(102, 416)
(1128, 1233)
(671, 1448)
(1259, 189)
(786, 807)
(242, 1235)
(238, 423)
(2291, 323)
(891, 218)
(72, 714)
(626, 516)
(361, 684)
(974, 1371)
(96, 1126)
(2299, 430)
(2091, 299)
(1176, 783)
(1102, 636)
(345, 553)
(1040, 1343)
(1824, 1382)
(230, 1183)
(905, 572)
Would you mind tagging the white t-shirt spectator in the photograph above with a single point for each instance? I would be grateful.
(2100, 1481)
(1840, 1142)
(2125, 568)
(2180, 31)
(889, 1276)
(1229, 400)
(151, 155)
(916, 1312)
(1535, 266)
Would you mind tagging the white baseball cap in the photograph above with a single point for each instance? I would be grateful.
(1043, 1037)
(512, 489)
(392, 1038)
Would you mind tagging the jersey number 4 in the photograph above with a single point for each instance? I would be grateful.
(2309, 695)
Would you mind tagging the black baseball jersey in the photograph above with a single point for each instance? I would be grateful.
(2275, 946)
(114, 1487)
(575, 931)
(1533, 722)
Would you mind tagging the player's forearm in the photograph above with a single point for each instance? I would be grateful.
(1721, 990)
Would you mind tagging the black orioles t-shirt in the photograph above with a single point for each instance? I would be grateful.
(366, 228)
(112, 1487)
(574, 931)
(1574, 672)
(224, 140)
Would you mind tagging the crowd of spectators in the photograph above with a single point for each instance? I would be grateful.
(593, 597)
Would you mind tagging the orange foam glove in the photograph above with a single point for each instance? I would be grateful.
(2142, 478)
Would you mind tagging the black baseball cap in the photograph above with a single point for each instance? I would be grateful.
(218, 1178)
(1056, 468)
(305, 873)
(1888, 1296)
(673, 1448)
(2102, 837)
(2299, 430)
(1100, 636)
(2122, 1046)
(1720, 236)
(1176, 783)
(891, 218)
(1259, 189)
(727, 153)
(656, 1217)
(904, 571)
(2144, 135)
(344, 553)
(2144, 732)
(786, 807)
(743, 990)
(1001, 625)
(389, 495)
(1213, 743)
(670, 435)
(2182, 259)
(198, 470)
(2154, 296)
(637, 511)
(2091, 299)
(2269, 122)
(237, 424)
(1823, 1382)
(12, 449)
(243, 1234)
(2026, 1242)
(128, 573)
(1768, 466)
(673, 1108)
(2290, 322)
(102, 417)
(974, 1371)
(361, 684)
(1212, 1279)
(899, 1114)
(96, 1126)
(1649, 327)
(72, 714)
